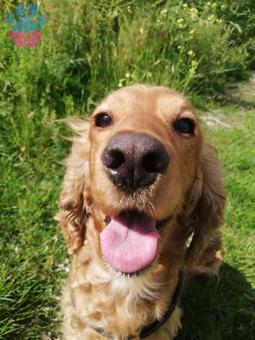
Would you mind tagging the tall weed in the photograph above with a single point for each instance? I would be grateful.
(92, 46)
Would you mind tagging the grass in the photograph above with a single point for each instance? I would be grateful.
(31, 247)
(195, 46)
(81, 57)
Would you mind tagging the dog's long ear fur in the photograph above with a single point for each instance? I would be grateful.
(205, 209)
(72, 203)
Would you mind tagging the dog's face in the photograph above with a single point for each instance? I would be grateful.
(145, 145)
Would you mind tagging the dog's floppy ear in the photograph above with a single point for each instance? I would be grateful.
(72, 203)
(205, 209)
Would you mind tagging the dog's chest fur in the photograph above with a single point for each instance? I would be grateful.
(112, 302)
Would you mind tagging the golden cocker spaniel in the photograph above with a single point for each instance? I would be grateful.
(141, 206)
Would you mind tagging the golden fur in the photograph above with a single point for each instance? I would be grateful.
(97, 296)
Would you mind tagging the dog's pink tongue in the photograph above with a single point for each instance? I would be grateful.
(129, 242)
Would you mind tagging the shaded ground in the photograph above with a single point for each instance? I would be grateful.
(219, 309)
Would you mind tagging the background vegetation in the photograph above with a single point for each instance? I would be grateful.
(88, 48)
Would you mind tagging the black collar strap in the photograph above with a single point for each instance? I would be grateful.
(155, 325)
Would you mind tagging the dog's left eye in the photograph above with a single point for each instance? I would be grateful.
(185, 125)
(103, 120)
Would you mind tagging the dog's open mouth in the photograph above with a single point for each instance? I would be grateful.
(129, 241)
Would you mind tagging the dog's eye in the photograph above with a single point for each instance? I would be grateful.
(185, 125)
(103, 120)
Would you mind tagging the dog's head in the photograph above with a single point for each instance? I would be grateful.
(135, 166)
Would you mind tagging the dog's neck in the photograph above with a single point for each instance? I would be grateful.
(119, 304)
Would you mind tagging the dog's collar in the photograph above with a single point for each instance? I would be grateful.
(155, 325)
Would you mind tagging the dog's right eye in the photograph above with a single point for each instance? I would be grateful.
(103, 120)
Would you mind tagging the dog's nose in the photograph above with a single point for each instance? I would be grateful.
(134, 160)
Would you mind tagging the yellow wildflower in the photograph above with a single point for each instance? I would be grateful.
(191, 53)
(193, 13)
(163, 12)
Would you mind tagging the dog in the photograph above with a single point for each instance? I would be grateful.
(141, 207)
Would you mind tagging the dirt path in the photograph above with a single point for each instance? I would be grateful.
(239, 101)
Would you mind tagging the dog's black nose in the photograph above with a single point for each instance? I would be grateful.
(134, 160)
